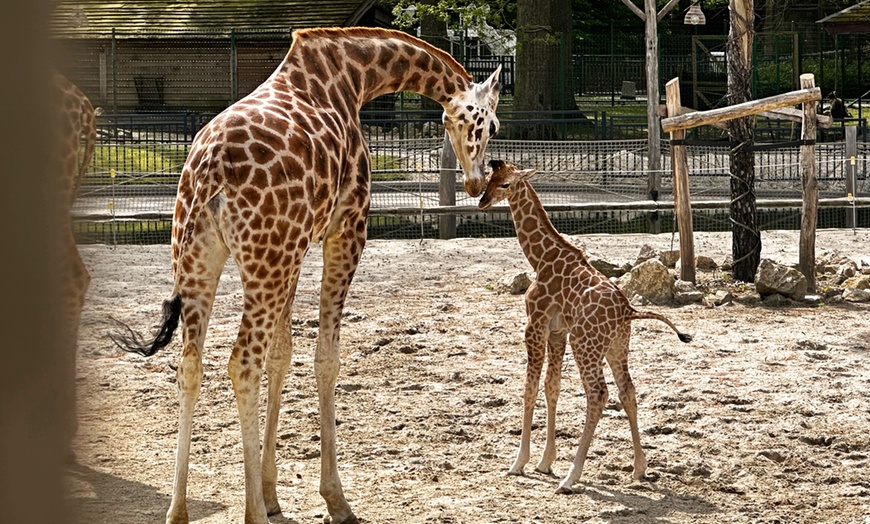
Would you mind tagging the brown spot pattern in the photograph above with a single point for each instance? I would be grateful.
(291, 166)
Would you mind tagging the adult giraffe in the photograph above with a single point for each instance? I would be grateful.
(74, 126)
(284, 167)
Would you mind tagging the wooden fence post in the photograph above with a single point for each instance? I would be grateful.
(654, 140)
(810, 183)
(682, 202)
(851, 171)
(447, 190)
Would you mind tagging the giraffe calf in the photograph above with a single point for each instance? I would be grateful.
(569, 298)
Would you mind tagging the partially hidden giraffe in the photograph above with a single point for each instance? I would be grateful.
(282, 168)
(568, 297)
(75, 122)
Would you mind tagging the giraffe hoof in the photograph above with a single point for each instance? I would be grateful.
(546, 471)
(650, 476)
(564, 490)
(515, 472)
(350, 519)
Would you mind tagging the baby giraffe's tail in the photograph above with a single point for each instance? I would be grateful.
(640, 315)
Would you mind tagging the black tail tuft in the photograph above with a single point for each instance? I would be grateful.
(685, 337)
(131, 341)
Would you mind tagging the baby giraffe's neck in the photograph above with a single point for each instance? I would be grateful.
(540, 241)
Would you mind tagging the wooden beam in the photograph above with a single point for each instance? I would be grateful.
(634, 9)
(682, 200)
(810, 183)
(783, 113)
(584, 207)
(796, 115)
(682, 110)
(700, 118)
(666, 9)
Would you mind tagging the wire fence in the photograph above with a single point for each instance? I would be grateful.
(590, 186)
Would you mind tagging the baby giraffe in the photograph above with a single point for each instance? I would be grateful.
(568, 296)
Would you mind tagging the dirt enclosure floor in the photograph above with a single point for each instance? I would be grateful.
(764, 417)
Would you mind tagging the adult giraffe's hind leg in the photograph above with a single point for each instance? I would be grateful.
(261, 315)
(277, 363)
(552, 383)
(197, 297)
(341, 254)
(617, 357)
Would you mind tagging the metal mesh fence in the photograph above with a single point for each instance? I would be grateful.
(204, 71)
(588, 185)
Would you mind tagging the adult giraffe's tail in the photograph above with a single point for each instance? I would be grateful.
(641, 315)
(131, 341)
(205, 189)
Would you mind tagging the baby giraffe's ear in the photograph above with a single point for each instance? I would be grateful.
(527, 174)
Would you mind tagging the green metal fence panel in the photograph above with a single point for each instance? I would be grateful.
(155, 93)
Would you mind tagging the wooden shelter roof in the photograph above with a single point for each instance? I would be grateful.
(175, 18)
(852, 20)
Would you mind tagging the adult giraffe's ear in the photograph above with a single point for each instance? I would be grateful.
(490, 89)
(527, 174)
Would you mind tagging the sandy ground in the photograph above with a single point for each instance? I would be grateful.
(764, 417)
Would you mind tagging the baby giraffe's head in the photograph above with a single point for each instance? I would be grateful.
(502, 182)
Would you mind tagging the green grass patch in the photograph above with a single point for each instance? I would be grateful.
(146, 158)
(385, 167)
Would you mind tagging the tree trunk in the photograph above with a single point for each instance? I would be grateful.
(746, 239)
(433, 31)
(544, 71)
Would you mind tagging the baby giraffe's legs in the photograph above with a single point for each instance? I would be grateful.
(552, 383)
(596, 397)
(536, 347)
(617, 357)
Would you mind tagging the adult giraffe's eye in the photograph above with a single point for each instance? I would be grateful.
(492, 130)
(505, 186)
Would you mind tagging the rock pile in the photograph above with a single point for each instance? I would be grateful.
(652, 279)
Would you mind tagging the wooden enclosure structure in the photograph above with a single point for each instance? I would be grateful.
(679, 119)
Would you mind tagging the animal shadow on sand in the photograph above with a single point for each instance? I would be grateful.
(636, 507)
(96, 496)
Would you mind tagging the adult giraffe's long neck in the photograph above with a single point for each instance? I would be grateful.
(348, 67)
(539, 239)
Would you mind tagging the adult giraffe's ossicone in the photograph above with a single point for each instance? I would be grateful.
(283, 168)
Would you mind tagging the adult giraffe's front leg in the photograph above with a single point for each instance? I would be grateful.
(341, 254)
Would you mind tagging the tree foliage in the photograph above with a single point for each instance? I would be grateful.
(500, 14)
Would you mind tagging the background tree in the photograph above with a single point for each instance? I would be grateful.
(544, 62)
(745, 237)
(433, 29)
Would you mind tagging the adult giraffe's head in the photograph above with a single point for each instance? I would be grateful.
(470, 122)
